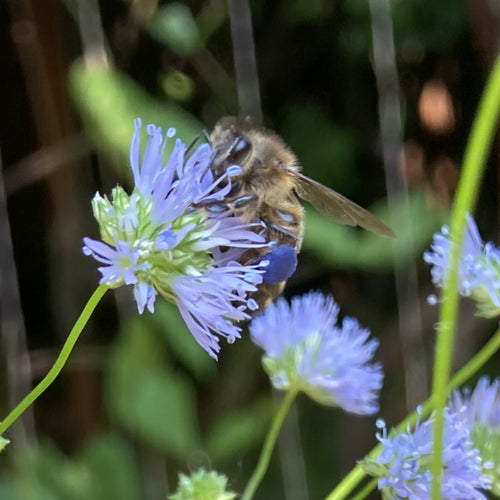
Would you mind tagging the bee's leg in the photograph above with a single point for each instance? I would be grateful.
(216, 208)
(245, 206)
(282, 230)
(243, 201)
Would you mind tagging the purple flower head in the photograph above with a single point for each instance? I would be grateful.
(403, 464)
(305, 350)
(479, 267)
(159, 240)
(480, 411)
(482, 406)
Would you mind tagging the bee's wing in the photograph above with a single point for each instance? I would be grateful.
(337, 207)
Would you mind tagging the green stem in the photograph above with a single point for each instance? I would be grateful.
(474, 161)
(60, 361)
(265, 454)
(366, 490)
(357, 474)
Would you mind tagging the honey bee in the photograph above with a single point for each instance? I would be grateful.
(268, 190)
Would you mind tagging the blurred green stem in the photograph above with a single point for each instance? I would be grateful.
(476, 155)
(345, 487)
(60, 361)
(267, 449)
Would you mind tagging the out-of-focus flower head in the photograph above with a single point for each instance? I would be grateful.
(202, 485)
(305, 350)
(402, 467)
(159, 241)
(479, 267)
(481, 412)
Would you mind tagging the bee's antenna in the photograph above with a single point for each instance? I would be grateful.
(203, 134)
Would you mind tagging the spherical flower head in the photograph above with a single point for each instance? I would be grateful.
(402, 467)
(479, 267)
(202, 485)
(481, 412)
(160, 240)
(306, 351)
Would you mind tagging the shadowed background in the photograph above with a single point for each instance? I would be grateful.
(375, 97)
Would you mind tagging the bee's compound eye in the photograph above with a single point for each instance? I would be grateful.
(217, 208)
(239, 149)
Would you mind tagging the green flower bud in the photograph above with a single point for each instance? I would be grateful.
(202, 485)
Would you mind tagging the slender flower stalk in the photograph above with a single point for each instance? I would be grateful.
(267, 449)
(160, 240)
(476, 153)
(59, 363)
(356, 475)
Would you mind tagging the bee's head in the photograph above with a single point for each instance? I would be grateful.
(230, 143)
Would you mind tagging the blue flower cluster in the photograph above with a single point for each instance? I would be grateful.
(306, 351)
(158, 241)
(482, 406)
(479, 267)
(403, 464)
(481, 412)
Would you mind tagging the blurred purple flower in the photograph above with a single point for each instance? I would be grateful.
(479, 267)
(306, 351)
(403, 464)
(480, 411)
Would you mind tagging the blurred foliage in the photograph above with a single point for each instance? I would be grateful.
(418, 27)
(159, 397)
(109, 102)
(147, 398)
(174, 26)
(347, 248)
(105, 469)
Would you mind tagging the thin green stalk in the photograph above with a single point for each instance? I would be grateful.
(476, 155)
(265, 454)
(60, 361)
(366, 490)
(357, 474)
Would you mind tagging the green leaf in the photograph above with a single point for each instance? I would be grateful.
(174, 26)
(109, 102)
(237, 431)
(111, 469)
(169, 323)
(105, 470)
(149, 400)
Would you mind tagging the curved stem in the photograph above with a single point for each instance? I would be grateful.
(357, 474)
(265, 454)
(476, 155)
(60, 361)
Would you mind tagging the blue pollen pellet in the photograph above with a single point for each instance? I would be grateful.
(282, 264)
